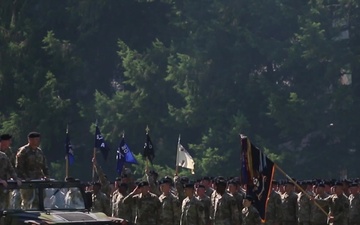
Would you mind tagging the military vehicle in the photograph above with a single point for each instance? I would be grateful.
(43, 202)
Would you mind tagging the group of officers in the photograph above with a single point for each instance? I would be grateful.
(207, 201)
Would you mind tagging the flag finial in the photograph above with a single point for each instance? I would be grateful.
(67, 128)
(147, 129)
(123, 133)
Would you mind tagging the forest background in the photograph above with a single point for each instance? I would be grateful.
(283, 72)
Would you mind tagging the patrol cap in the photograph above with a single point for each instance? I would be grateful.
(321, 184)
(96, 184)
(338, 183)
(33, 134)
(184, 179)
(5, 137)
(143, 184)
(165, 181)
(118, 179)
(233, 182)
(220, 181)
(290, 183)
(206, 178)
(124, 185)
(249, 197)
(189, 185)
(201, 186)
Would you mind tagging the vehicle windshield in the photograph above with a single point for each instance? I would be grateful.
(65, 198)
(61, 196)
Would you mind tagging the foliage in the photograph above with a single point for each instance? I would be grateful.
(278, 71)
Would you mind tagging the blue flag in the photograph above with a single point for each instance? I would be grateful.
(124, 155)
(68, 149)
(100, 143)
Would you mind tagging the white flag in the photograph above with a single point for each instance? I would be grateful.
(184, 159)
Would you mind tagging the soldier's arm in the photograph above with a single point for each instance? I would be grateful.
(21, 165)
(130, 198)
(200, 213)
(45, 168)
(10, 170)
(235, 216)
(278, 214)
(178, 185)
(256, 218)
(176, 210)
(106, 202)
(101, 175)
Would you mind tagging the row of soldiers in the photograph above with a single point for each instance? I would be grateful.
(179, 201)
(175, 201)
(315, 202)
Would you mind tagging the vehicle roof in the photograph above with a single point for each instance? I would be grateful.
(45, 184)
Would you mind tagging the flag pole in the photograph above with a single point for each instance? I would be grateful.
(177, 157)
(94, 156)
(67, 154)
(147, 129)
(301, 189)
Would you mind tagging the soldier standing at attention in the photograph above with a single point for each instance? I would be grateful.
(192, 211)
(30, 160)
(170, 205)
(118, 208)
(354, 210)
(147, 205)
(5, 142)
(100, 202)
(304, 206)
(6, 172)
(151, 177)
(239, 197)
(206, 181)
(289, 205)
(317, 217)
(273, 209)
(224, 210)
(339, 206)
(205, 201)
(31, 164)
(250, 215)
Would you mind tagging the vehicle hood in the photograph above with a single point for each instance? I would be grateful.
(59, 217)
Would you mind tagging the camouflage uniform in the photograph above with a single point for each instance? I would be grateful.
(317, 217)
(354, 210)
(74, 199)
(7, 171)
(339, 208)
(11, 155)
(105, 184)
(250, 216)
(147, 208)
(101, 203)
(303, 209)
(209, 191)
(288, 208)
(224, 210)
(192, 212)
(206, 202)
(170, 209)
(118, 208)
(179, 188)
(31, 163)
(239, 197)
(273, 209)
(154, 186)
